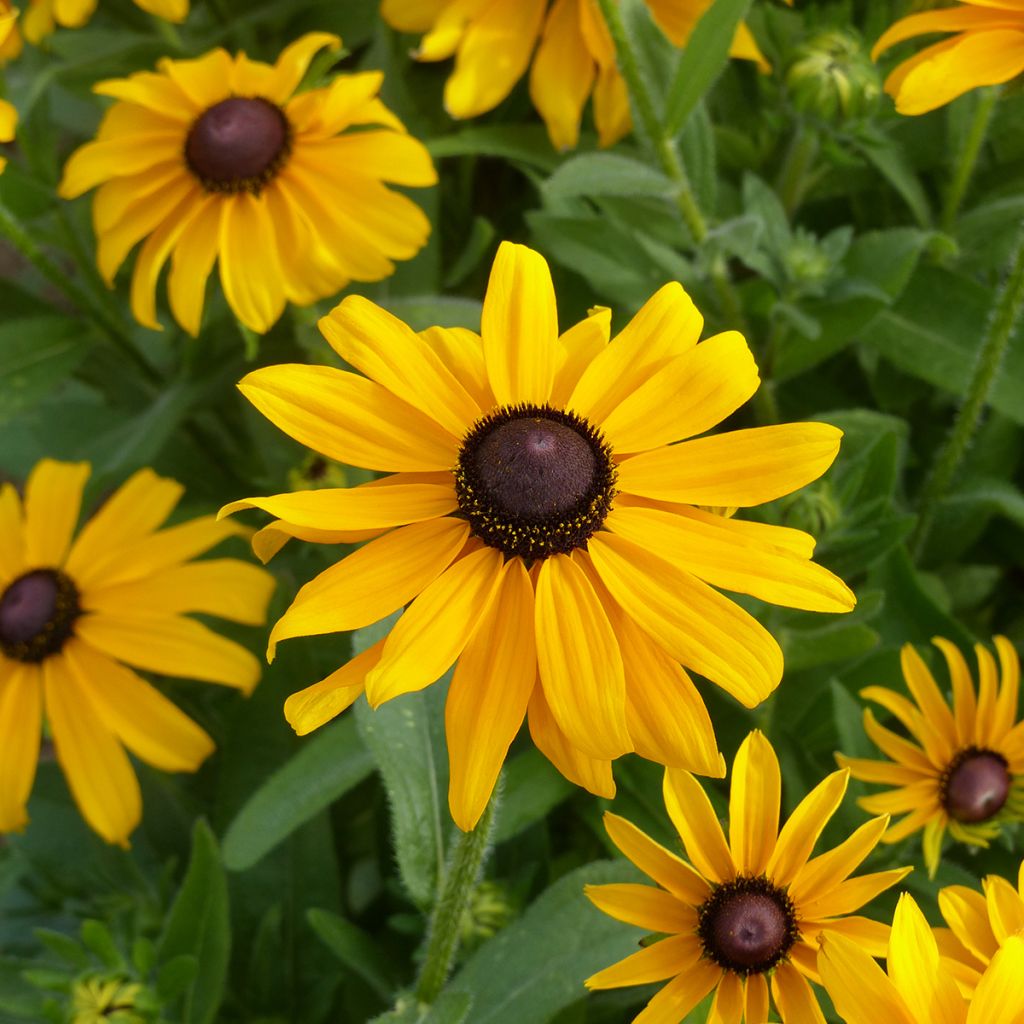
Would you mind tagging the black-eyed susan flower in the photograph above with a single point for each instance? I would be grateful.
(960, 769)
(744, 915)
(220, 159)
(986, 49)
(544, 524)
(572, 53)
(916, 987)
(43, 16)
(979, 925)
(76, 612)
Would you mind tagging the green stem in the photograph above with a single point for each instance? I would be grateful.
(967, 158)
(792, 180)
(446, 918)
(1003, 318)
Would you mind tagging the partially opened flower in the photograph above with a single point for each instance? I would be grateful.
(960, 771)
(544, 525)
(574, 59)
(221, 159)
(743, 916)
(916, 986)
(43, 16)
(75, 612)
(987, 48)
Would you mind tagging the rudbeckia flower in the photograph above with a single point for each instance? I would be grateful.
(979, 925)
(493, 44)
(743, 917)
(42, 16)
(987, 49)
(545, 525)
(219, 158)
(76, 612)
(960, 770)
(916, 987)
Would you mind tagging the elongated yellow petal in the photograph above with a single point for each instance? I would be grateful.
(21, 726)
(294, 61)
(951, 19)
(191, 264)
(696, 978)
(984, 733)
(53, 497)
(756, 998)
(965, 704)
(966, 913)
(579, 347)
(1005, 907)
(643, 906)
(1009, 690)
(754, 799)
(921, 683)
(655, 963)
(12, 534)
(858, 987)
(852, 894)
(694, 818)
(796, 1000)
(881, 771)
(999, 998)
(822, 874)
(462, 351)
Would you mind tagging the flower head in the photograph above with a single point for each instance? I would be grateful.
(917, 986)
(220, 159)
(961, 767)
(744, 916)
(987, 49)
(43, 16)
(76, 612)
(575, 58)
(97, 1000)
(545, 526)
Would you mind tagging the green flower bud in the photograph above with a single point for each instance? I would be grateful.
(832, 76)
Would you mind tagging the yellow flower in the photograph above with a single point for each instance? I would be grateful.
(112, 1001)
(8, 123)
(220, 158)
(72, 610)
(42, 16)
(960, 768)
(543, 524)
(743, 917)
(493, 44)
(917, 987)
(988, 49)
(10, 37)
(979, 925)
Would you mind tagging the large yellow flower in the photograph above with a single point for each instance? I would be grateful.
(916, 986)
(987, 49)
(745, 918)
(71, 611)
(543, 523)
(493, 44)
(220, 158)
(42, 16)
(960, 769)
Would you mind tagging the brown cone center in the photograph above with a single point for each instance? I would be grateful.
(977, 787)
(37, 611)
(749, 929)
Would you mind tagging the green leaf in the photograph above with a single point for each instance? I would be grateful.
(97, 938)
(522, 143)
(890, 159)
(175, 976)
(703, 60)
(406, 738)
(63, 946)
(355, 949)
(809, 648)
(450, 1008)
(536, 966)
(329, 764)
(198, 925)
(532, 788)
(605, 174)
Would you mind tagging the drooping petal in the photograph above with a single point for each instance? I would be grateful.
(21, 726)
(249, 269)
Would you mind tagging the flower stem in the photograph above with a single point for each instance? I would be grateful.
(446, 918)
(792, 180)
(967, 157)
(1003, 318)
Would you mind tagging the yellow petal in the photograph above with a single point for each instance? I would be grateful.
(1009, 691)
(98, 771)
(999, 998)
(612, 116)
(966, 912)
(852, 894)
(922, 685)
(880, 771)
(823, 873)
(983, 733)
(951, 19)
(858, 987)
(384, 155)
(312, 707)
(294, 61)
(143, 719)
(191, 265)
(96, 162)
(12, 540)
(873, 936)
(8, 121)
(756, 999)
(661, 865)
(694, 818)
(754, 799)
(899, 749)
(268, 542)
(1005, 907)
(204, 80)
(489, 695)
(519, 326)
(696, 979)
(461, 350)
(53, 497)
(644, 906)
(430, 636)
(740, 468)
(727, 1006)
(21, 725)
(795, 998)
(411, 15)
(578, 347)
(249, 270)
(372, 582)
(664, 959)
(153, 91)
(349, 419)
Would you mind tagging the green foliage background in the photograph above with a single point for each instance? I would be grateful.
(290, 880)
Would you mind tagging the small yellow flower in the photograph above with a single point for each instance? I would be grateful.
(961, 767)
(575, 58)
(73, 610)
(544, 523)
(744, 916)
(43, 16)
(917, 986)
(110, 1001)
(219, 158)
(987, 49)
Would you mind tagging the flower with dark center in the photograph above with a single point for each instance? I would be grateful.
(238, 145)
(745, 916)
(37, 613)
(539, 522)
(954, 769)
(225, 164)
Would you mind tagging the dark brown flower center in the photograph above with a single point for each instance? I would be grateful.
(534, 481)
(238, 145)
(747, 925)
(975, 785)
(37, 612)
